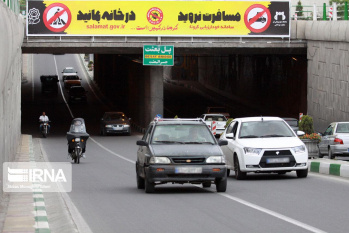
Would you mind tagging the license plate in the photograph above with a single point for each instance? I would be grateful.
(117, 128)
(278, 160)
(192, 170)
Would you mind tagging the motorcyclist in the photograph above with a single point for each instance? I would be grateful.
(77, 129)
(43, 118)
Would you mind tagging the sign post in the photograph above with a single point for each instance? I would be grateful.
(158, 55)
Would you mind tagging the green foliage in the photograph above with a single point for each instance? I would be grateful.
(306, 124)
(299, 8)
(340, 7)
(228, 122)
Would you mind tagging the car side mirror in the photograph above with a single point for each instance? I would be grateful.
(142, 143)
(222, 142)
(300, 133)
(230, 136)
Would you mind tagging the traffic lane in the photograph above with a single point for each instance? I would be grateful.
(105, 192)
(316, 200)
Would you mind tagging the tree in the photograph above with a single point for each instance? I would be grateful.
(299, 8)
(306, 124)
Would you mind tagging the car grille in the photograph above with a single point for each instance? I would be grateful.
(117, 125)
(188, 160)
(273, 154)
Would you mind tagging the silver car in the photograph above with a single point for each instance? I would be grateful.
(335, 140)
(115, 123)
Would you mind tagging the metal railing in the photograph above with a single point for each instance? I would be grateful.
(14, 5)
(321, 12)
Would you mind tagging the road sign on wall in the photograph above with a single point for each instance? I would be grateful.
(158, 55)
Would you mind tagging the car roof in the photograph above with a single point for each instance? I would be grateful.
(179, 121)
(265, 118)
(68, 68)
(213, 114)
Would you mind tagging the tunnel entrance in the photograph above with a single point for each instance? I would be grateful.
(248, 85)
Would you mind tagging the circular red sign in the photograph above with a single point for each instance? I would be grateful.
(57, 17)
(155, 15)
(255, 18)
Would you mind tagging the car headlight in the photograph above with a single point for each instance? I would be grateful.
(163, 160)
(108, 126)
(252, 151)
(215, 159)
(126, 126)
(299, 149)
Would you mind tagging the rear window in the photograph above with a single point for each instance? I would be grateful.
(69, 71)
(72, 78)
(342, 128)
(216, 118)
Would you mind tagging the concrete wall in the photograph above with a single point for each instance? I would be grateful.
(11, 37)
(328, 64)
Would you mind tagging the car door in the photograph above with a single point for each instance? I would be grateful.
(143, 151)
(228, 150)
(327, 139)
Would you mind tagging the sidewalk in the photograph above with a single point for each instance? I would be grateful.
(36, 211)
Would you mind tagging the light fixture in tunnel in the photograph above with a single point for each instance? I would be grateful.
(294, 58)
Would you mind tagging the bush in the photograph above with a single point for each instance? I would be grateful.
(228, 122)
(306, 124)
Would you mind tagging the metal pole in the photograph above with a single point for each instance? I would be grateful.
(334, 11)
(314, 13)
(324, 12)
(346, 11)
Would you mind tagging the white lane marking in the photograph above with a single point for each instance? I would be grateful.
(272, 213)
(32, 73)
(60, 86)
(117, 155)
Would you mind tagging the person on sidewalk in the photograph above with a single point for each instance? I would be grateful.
(42, 119)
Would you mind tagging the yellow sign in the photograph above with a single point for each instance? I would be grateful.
(160, 18)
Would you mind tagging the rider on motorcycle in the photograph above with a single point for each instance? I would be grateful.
(77, 130)
(43, 118)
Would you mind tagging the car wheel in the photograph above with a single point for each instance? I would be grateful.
(206, 184)
(239, 175)
(140, 180)
(319, 154)
(228, 172)
(302, 173)
(148, 186)
(330, 154)
(221, 184)
(104, 133)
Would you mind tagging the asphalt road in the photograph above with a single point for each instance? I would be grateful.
(105, 192)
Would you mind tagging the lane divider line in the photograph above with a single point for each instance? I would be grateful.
(60, 86)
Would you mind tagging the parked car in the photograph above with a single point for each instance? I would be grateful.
(218, 118)
(77, 94)
(293, 122)
(220, 110)
(72, 80)
(264, 144)
(68, 71)
(115, 123)
(49, 84)
(180, 151)
(335, 140)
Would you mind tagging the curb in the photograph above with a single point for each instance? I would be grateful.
(337, 168)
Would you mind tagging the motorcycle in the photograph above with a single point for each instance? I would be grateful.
(77, 138)
(44, 128)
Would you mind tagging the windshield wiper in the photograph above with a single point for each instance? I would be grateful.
(250, 136)
(169, 142)
(273, 136)
(196, 142)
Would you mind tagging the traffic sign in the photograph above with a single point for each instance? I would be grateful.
(257, 18)
(158, 55)
(57, 17)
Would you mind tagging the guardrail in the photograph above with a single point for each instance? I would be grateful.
(325, 12)
(14, 5)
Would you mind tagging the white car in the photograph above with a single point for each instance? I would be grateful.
(219, 119)
(68, 71)
(264, 144)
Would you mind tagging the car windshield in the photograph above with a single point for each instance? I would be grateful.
(115, 116)
(342, 128)
(292, 122)
(73, 77)
(77, 90)
(265, 129)
(70, 70)
(216, 118)
(183, 134)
